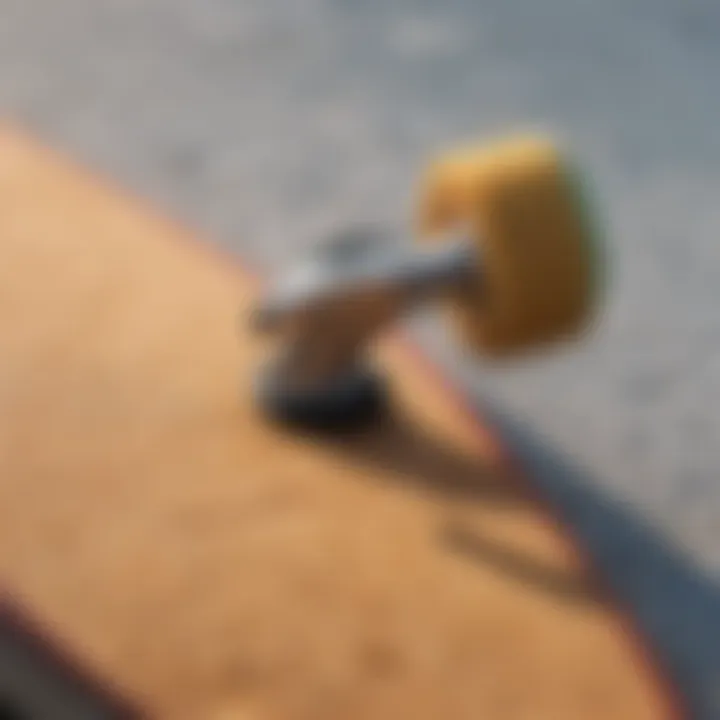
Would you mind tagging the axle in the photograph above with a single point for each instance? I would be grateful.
(326, 311)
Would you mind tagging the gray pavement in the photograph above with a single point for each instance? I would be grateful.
(266, 122)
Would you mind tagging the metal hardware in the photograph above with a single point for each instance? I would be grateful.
(326, 310)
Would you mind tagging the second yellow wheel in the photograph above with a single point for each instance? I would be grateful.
(539, 258)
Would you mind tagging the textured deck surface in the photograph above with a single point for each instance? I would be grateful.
(211, 566)
(265, 121)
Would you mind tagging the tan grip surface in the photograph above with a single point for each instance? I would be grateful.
(212, 566)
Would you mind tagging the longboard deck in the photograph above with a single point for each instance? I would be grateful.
(209, 565)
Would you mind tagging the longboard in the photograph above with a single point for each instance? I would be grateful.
(204, 563)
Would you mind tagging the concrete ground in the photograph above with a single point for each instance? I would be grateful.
(266, 122)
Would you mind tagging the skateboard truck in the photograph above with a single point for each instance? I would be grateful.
(512, 251)
(330, 307)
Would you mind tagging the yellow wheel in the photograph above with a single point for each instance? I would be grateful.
(538, 275)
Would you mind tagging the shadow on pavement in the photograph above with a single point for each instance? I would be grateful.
(675, 605)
